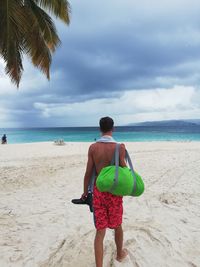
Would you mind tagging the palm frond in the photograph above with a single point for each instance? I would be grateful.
(26, 28)
(44, 22)
(60, 8)
(10, 38)
(37, 49)
(14, 67)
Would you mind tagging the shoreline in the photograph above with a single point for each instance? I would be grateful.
(90, 142)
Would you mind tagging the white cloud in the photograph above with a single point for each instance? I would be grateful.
(178, 97)
(178, 102)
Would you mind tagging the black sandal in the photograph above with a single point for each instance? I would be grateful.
(84, 201)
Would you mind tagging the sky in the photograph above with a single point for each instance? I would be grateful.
(132, 60)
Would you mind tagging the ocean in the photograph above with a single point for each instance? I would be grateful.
(90, 134)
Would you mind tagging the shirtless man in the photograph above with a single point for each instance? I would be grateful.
(108, 208)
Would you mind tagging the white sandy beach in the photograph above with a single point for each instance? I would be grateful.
(39, 226)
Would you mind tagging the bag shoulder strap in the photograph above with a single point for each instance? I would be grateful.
(116, 156)
(127, 157)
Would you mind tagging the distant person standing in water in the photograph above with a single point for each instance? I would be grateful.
(4, 139)
(107, 208)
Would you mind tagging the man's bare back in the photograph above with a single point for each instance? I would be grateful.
(102, 154)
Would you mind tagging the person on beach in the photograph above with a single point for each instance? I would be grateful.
(4, 139)
(107, 208)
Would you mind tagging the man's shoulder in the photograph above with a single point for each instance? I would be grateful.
(122, 145)
(92, 147)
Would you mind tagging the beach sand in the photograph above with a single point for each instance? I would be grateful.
(39, 226)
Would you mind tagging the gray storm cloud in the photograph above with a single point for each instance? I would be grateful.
(112, 47)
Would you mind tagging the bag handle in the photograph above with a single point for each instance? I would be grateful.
(132, 171)
(116, 179)
(116, 156)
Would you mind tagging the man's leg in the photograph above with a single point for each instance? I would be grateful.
(98, 247)
(121, 253)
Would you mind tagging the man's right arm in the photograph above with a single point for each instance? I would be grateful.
(88, 172)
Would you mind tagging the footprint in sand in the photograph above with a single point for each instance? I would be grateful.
(125, 263)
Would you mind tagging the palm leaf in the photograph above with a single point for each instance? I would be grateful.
(39, 52)
(10, 38)
(44, 22)
(26, 28)
(60, 8)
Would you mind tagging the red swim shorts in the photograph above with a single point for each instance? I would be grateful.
(108, 210)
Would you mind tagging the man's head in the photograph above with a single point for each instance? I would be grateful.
(106, 124)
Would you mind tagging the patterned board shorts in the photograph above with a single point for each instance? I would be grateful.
(108, 210)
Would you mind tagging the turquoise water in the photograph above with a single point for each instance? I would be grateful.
(88, 134)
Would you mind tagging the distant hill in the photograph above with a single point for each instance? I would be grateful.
(168, 123)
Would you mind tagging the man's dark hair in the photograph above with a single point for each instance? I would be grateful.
(106, 124)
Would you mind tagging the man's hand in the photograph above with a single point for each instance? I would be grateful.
(84, 196)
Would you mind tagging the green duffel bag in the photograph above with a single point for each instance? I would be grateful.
(120, 181)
